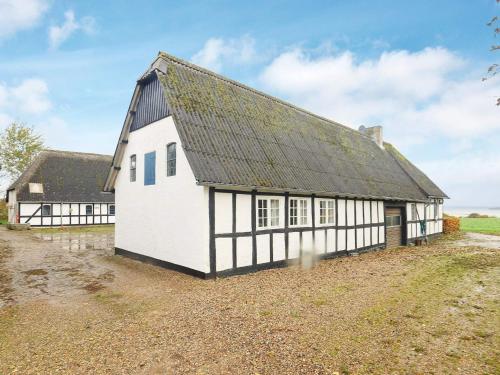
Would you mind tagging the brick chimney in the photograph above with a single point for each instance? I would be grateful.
(375, 133)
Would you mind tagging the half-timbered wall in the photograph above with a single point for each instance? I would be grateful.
(65, 214)
(426, 212)
(239, 244)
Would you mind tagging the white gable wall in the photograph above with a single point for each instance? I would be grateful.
(167, 220)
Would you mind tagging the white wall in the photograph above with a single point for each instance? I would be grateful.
(12, 207)
(325, 240)
(167, 220)
(61, 212)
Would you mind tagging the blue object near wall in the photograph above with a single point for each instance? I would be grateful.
(149, 168)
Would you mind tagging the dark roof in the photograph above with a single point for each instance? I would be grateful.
(420, 178)
(66, 177)
(237, 136)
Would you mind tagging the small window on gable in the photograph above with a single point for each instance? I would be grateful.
(46, 211)
(171, 159)
(150, 168)
(88, 209)
(112, 209)
(133, 166)
(35, 188)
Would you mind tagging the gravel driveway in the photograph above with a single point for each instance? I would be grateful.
(71, 307)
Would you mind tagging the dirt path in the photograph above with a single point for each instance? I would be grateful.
(432, 309)
(479, 239)
(52, 265)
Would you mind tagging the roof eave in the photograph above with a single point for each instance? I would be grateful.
(308, 192)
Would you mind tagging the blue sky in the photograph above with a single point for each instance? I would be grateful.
(69, 68)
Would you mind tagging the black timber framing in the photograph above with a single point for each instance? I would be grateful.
(211, 221)
(286, 229)
(52, 217)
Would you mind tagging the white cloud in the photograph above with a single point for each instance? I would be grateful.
(216, 52)
(471, 178)
(30, 97)
(412, 94)
(16, 15)
(59, 34)
(428, 101)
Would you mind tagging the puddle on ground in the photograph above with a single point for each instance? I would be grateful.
(52, 265)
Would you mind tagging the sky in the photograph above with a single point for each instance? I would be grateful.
(68, 68)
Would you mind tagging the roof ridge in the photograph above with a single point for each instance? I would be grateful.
(75, 153)
(200, 69)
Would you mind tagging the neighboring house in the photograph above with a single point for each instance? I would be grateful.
(62, 188)
(212, 177)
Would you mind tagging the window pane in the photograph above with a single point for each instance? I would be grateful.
(262, 213)
(303, 212)
(275, 219)
(331, 212)
(132, 168)
(112, 209)
(88, 209)
(46, 210)
(293, 211)
(171, 159)
(322, 212)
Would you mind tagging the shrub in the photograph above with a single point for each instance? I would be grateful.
(3, 211)
(451, 224)
(477, 216)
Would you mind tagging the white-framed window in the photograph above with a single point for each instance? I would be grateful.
(89, 209)
(298, 211)
(326, 211)
(268, 213)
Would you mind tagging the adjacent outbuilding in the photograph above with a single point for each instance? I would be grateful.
(62, 188)
(212, 177)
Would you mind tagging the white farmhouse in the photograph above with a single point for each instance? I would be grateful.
(212, 177)
(62, 188)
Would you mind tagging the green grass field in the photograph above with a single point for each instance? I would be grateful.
(489, 225)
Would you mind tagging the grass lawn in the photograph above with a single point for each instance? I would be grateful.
(77, 229)
(489, 225)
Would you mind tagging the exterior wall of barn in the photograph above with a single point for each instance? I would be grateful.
(167, 220)
(56, 213)
(240, 244)
(431, 213)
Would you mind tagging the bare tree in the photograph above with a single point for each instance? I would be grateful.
(494, 69)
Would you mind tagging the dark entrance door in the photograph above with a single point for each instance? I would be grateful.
(393, 221)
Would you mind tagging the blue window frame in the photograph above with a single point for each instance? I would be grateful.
(150, 168)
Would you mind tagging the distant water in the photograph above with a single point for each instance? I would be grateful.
(465, 211)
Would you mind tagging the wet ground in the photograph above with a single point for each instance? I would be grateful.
(479, 239)
(52, 265)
